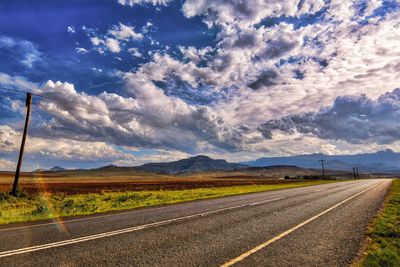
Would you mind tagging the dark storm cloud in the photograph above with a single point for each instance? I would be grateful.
(353, 119)
(267, 78)
(279, 47)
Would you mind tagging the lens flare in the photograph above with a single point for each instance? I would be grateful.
(47, 201)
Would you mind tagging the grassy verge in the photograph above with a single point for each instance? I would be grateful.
(38, 207)
(384, 236)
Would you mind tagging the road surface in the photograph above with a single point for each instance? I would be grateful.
(320, 225)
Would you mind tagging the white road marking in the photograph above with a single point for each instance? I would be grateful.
(122, 231)
(317, 190)
(114, 214)
(109, 215)
(263, 245)
(265, 201)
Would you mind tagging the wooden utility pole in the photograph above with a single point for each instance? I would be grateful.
(358, 175)
(21, 151)
(323, 167)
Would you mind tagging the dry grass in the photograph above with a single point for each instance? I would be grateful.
(36, 207)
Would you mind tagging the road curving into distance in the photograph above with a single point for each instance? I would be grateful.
(307, 226)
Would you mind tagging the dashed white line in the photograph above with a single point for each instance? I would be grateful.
(270, 241)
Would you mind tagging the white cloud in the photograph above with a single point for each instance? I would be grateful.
(60, 148)
(162, 156)
(148, 119)
(243, 14)
(6, 165)
(26, 52)
(17, 81)
(372, 5)
(135, 52)
(115, 39)
(96, 41)
(124, 32)
(260, 72)
(97, 70)
(81, 50)
(113, 45)
(71, 29)
(267, 63)
(17, 106)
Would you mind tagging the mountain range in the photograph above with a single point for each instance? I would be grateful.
(381, 161)
(193, 164)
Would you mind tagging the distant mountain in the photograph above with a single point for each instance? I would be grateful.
(39, 170)
(381, 161)
(194, 164)
(56, 169)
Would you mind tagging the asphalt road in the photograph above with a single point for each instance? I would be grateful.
(319, 225)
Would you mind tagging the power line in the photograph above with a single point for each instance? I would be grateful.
(65, 101)
(99, 111)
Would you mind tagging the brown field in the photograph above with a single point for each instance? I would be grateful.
(129, 179)
(96, 187)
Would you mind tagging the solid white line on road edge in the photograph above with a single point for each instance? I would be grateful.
(122, 231)
(263, 245)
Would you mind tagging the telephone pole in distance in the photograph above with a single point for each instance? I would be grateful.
(323, 167)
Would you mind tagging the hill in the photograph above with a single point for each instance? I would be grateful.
(193, 164)
(57, 169)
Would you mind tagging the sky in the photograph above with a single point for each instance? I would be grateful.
(126, 82)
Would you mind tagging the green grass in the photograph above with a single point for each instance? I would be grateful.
(31, 208)
(385, 234)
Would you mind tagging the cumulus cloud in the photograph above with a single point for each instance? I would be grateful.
(270, 59)
(372, 5)
(115, 38)
(135, 52)
(124, 32)
(355, 120)
(60, 148)
(247, 13)
(148, 119)
(96, 40)
(113, 45)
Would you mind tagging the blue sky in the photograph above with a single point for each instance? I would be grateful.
(164, 80)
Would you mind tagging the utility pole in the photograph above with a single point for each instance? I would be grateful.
(323, 168)
(354, 173)
(21, 151)
(358, 175)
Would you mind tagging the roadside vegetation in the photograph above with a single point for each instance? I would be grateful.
(26, 207)
(384, 248)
